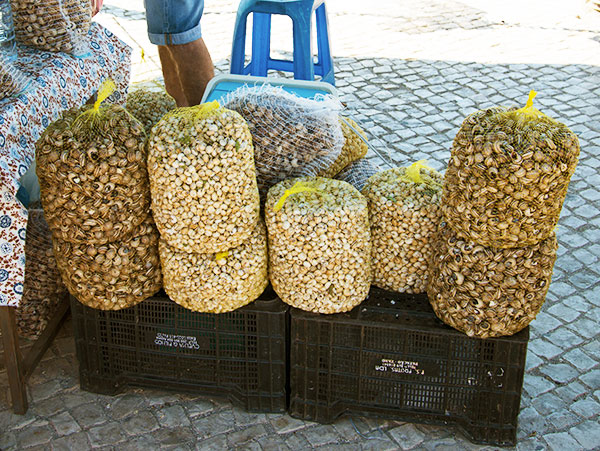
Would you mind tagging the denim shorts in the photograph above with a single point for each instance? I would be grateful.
(173, 22)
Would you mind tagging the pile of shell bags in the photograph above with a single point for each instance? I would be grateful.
(205, 202)
(43, 288)
(503, 191)
(91, 165)
(295, 136)
(319, 244)
(53, 25)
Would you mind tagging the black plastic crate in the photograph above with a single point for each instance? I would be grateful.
(240, 355)
(391, 357)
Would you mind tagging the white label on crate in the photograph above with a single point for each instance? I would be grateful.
(399, 366)
(176, 341)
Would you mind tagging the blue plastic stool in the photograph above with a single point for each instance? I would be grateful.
(300, 11)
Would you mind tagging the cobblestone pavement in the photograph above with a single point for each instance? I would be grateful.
(409, 71)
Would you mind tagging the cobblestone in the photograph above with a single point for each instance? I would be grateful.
(592, 379)
(580, 359)
(107, 434)
(561, 441)
(285, 424)
(89, 415)
(172, 416)
(125, 406)
(240, 438)
(562, 419)
(587, 434)
(407, 436)
(560, 372)
(71, 442)
(587, 408)
(169, 437)
(214, 424)
(571, 392)
(321, 435)
(32, 436)
(141, 423)
(64, 424)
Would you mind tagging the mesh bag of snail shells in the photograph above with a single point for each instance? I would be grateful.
(319, 244)
(112, 276)
(487, 292)
(355, 147)
(149, 106)
(217, 283)
(91, 165)
(404, 212)
(508, 176)
(202, 179)
(357, 173)
(292, 136)
(12, 80)
(53, 25)
(43, 288)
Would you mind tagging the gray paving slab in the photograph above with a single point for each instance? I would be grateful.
(409, 72)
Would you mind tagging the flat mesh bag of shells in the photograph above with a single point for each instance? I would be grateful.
(319, 244)
(149, 105)
(12, 80)
(112, 276)
(357, 173)
(91, 165)
(202, 179)
(355, 147)
(292, 136)
(43, 288)
(508, 176)
(217, 282)
(404, 212)
(53, 25)
(486, 292)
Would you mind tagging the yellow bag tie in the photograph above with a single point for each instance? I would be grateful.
(221, 255)
(106, 89)
(298, 187)
(529, 111)
(94, 113)
(413, 172)
(205, 109)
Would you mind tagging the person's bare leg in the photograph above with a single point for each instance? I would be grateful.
(194, 67)
(171, 76)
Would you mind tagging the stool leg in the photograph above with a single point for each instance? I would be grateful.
(13, 360)
(261, 43)
(238, 49)
(325, 61)
(303, 62)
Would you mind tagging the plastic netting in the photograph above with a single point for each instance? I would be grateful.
(319, 244)
(357, 173)
(12, 80)
(217, 283)
(43, 288)
(149, 106)
(292, 136)
(508, 176)
(91, 165)
(355, 147)
(115, 275)
(202, 179)
(53, 25)
(486, 292)
(404, 212)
